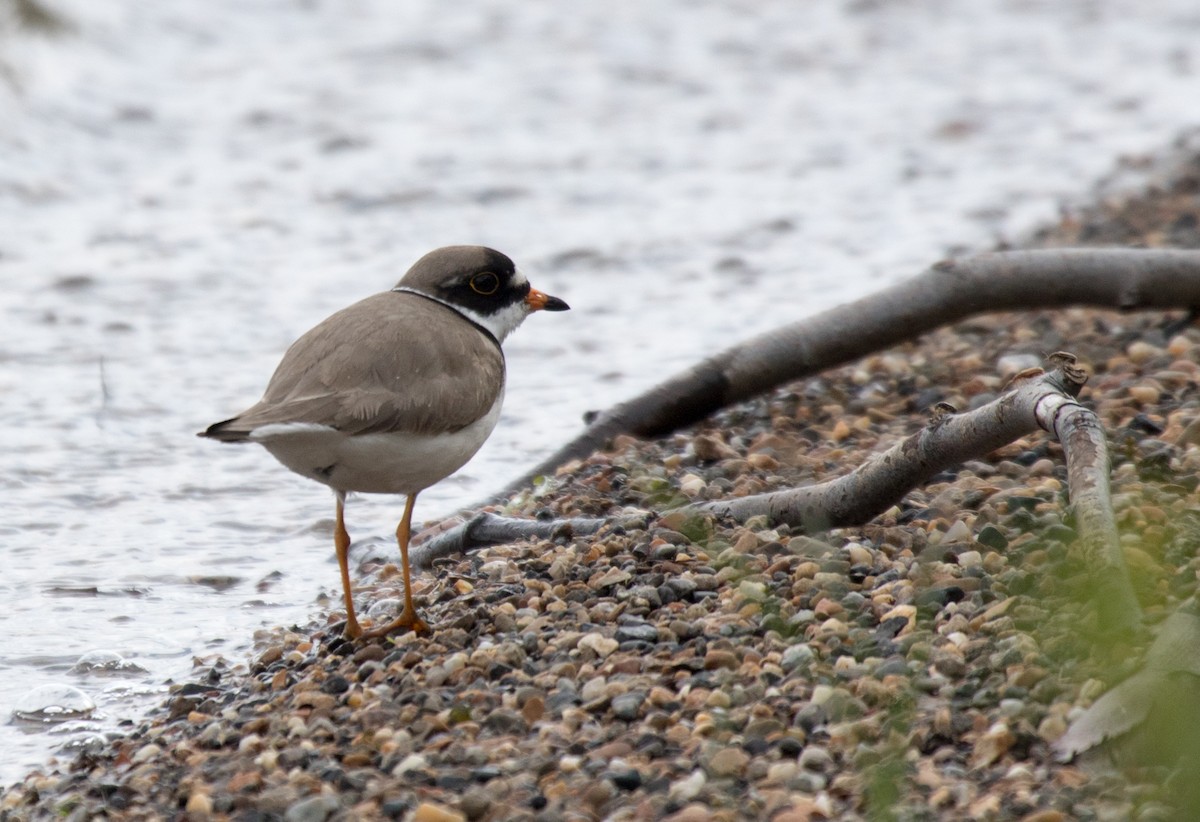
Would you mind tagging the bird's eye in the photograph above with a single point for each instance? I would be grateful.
(486, 283)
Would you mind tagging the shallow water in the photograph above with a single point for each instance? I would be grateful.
(185, 188)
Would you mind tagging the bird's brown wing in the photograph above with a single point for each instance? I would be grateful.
(392, 362)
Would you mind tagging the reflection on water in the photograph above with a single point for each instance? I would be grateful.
(187, 187)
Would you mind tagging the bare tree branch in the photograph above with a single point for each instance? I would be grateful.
(1085, 447)
(1046, 402)
(950, 291)
(486, 529)
(882, 481)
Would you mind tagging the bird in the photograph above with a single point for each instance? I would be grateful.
(395, 393)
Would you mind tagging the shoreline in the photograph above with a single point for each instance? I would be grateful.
(690, 671)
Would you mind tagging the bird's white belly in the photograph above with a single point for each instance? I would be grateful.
(380, 463)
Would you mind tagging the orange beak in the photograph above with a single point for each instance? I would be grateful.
(537, 301)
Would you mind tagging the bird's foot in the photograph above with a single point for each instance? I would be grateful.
(408, 619)
(352, 630)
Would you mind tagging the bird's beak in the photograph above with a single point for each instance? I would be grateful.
(537, 301)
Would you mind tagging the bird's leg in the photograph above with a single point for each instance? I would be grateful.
(408, 617)
(341, 542)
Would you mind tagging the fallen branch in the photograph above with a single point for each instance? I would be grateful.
(1046, 402)
(1125, 279)
(485, 529)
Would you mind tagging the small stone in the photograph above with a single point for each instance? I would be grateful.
(717, 658)
(1011, 364)
(859, 554)
(728, 762)
(476, 802)
(992, 537)
(1052, 728)
(796, 656)
(199, 803)
(691, 485)
(1140, 352)
(638, 632)
(594, 688)
(802, 809)
(610, 578)
(958, 532)
(687, 788)
(710, 449)
(598, 643)
(598, 794)
(433, 812)
(779, 773)
(1179, 345)
(970, 559)
(1144, 394)
(695, 812)
(753, 590)
(627, 779)
(815, 758)
(1044, 816)
(412, 762)
(682, 587)
(718, 699)
(628, 706)
(145, 754)
(827, 608)
(269, 656)
(990, 747)
(533, 709)
(312, 809)
(763, 462)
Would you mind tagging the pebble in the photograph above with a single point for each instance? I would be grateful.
(638, 632)
(199, 803)
(796, 656)
(412, 762)
(433, 812)
(627, 706)
(145, 754)
(314, 809)
(1140, 352)
(992, 745)
(957, 532)
(970, 559)
(599, 644)
(815, 758)
(728, 762)
(691, 813)
(687, 788)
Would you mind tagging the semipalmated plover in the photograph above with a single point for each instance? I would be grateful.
(396, 392)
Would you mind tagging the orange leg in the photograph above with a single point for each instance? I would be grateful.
(341, 542)
(408, 617)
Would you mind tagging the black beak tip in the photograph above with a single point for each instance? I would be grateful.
(555, 304)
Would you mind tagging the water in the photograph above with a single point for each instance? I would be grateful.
(186, 187)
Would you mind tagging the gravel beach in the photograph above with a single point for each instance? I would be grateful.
(915, 668)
